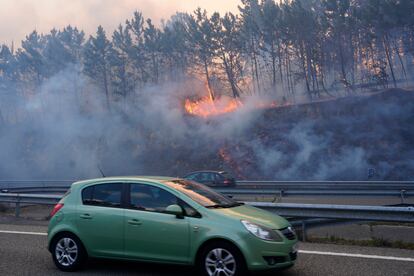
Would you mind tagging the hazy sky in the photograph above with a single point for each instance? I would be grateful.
(19, 17)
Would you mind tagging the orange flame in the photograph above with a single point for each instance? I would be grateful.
(206, 107)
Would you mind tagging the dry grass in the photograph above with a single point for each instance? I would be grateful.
(3, 208)
(374, 242)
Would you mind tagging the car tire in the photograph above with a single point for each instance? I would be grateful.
(68, 252)
(219, 256)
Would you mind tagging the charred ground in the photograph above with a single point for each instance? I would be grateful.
(352, 138)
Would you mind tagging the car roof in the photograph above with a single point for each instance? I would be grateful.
(127, 178)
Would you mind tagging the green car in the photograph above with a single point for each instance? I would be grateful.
(166, 220)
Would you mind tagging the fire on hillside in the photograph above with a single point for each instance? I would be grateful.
(206, 107)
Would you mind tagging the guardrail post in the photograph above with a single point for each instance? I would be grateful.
(304, 231)
(17, 209)
(402, 194)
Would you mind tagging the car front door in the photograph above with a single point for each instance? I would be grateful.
(100, 220)
(150, 233)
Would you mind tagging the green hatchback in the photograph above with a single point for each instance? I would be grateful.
(166, 220)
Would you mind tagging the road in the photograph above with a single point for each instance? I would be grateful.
(23, 252)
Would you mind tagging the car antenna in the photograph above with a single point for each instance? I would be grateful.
(99, 168)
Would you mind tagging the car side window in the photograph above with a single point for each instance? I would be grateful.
(150, 198)
(108, 195)
(219, 177)
(192, 176)
(207, 177)
(154, 199)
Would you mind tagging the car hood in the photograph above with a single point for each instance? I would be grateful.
(255, 215)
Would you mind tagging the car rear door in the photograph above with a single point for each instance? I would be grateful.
(150, 233)
(101, 219)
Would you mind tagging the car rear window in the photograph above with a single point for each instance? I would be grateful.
(108, 195)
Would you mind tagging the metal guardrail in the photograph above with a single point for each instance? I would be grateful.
(17, 184)
(401, 189)
(328, 185)
(348, 212)
(19, 199)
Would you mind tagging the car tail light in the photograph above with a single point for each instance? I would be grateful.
(56, 209)
(227, 181)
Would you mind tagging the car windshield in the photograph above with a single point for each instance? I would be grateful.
(202, 194)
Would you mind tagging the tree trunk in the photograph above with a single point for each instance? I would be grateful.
(304, 71)
(230, 78)
(256, 72)
(273, 65)
(400, 59)
(280, 63)
(106, 89)
(387, 53)
(342, 60)
(210, 89)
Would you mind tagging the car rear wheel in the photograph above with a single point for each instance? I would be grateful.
(221, 259)
(68, 253)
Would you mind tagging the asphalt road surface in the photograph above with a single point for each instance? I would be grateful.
(23, 252)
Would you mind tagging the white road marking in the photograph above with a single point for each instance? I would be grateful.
(379, 257)
(23, 233)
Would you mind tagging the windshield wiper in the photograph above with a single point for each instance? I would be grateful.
(235, 204)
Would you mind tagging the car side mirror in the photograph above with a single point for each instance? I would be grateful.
(175, 210)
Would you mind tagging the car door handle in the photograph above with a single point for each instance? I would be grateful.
(85, 216)
(134, 222)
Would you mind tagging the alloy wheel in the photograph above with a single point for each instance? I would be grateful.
(220, 262)
(66, 251)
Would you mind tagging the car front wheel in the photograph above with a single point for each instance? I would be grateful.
(221, 259)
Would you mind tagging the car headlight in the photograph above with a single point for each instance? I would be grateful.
(261, 232)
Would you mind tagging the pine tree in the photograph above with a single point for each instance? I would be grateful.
(226, 33)
(175, 47)
(96, 61)
(122, 78)
(72, 40)
(31, 61)
(137, 53)
(202, 44)
(8, 68)
(152, 46)
(56, 55)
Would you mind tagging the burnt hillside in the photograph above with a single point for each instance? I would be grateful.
(353, 138)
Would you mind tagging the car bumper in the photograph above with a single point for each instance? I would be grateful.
(265, 255)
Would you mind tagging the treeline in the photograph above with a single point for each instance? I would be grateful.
(282, 47)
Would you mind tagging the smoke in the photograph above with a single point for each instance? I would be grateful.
(64, 130)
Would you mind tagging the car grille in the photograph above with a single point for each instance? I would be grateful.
(288, 233)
